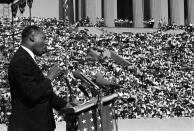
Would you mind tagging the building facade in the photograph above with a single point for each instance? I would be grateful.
(137, 11)
(4, 11)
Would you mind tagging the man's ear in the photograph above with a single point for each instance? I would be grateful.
(31, 38)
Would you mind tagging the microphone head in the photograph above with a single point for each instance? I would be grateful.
(77, 74)
(98, 49)
(101, 81)
(99, 75)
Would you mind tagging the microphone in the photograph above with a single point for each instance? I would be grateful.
(98, 49)
(81, 87)
(78, 74)
(101, 81)
(93, 54)
(104, 82)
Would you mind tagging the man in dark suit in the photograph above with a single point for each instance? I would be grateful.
(32, 95)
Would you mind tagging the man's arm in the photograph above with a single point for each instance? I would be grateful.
(31, 90)
(57, 102)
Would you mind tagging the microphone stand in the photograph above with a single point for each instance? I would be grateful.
(70, 90)
(66, 79)
(100, 107)
(99, 102)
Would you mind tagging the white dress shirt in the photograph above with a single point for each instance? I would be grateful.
(29, 52)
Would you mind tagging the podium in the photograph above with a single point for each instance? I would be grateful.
(88, 116)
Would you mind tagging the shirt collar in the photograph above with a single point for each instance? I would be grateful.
(29, 52)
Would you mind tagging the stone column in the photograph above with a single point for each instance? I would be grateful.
(177, 11)
(191, 11)
(81, 9)
(74, 10)
(66, 10)
(159, 11)
(110, 12)
(61, 10)
(69, 10)
(93, 10)
(138, 13)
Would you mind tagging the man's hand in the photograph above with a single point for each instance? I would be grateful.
(70, 104)
(54, 72)
(73, 103)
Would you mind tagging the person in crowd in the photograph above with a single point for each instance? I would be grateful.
(32, 95)
(164, 58)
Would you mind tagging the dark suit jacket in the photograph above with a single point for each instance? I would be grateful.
(32, 96)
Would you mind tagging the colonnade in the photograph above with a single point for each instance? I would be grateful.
(171, 11)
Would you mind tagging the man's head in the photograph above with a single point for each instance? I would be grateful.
(34, 39)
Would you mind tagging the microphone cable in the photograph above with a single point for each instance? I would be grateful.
(115, 117)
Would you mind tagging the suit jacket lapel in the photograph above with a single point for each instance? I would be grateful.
(31, 60)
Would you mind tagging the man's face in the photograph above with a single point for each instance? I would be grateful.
(39, 46)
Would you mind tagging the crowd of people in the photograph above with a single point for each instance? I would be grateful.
(165, 88)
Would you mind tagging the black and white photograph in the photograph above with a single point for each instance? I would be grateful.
(96, 65)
